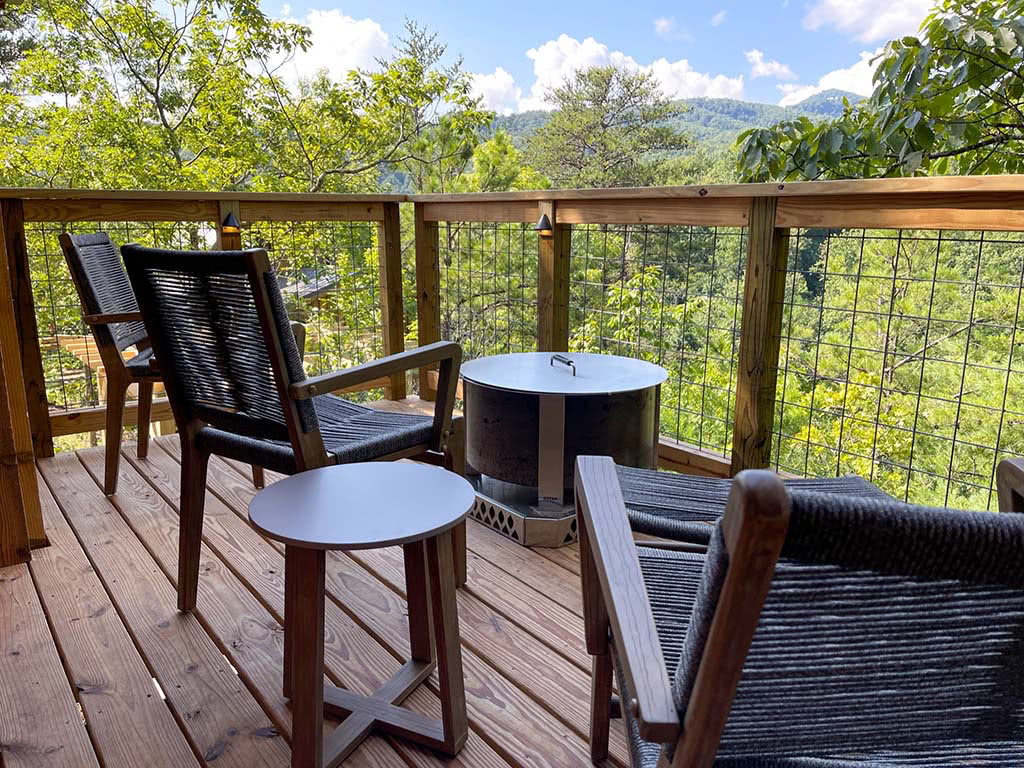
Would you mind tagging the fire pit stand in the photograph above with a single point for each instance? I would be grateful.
(529, 415)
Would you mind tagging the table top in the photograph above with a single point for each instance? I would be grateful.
(362, 506)
(532, 372)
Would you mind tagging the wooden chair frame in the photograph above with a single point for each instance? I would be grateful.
(445, 446)
(119, 377)
(618, 619)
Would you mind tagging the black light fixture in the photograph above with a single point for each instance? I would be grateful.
(230, 225)
(543, 227)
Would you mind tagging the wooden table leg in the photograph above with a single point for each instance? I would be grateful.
(305, 623)
(444, 611)
(417, 590)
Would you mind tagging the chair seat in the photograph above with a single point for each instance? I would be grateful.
(685, 507)
(351, 432)
(672, 580)
(143, 365)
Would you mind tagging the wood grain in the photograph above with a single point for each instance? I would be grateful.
(250, 636)
(119, 206)
(599, 501)
(690, 460)
(1001, 211)
(760, 338)
(353, 658)
(40, 726)
(428, 290)
(457, 209)
(126, 716)
(217, 711)
(298, 210)
(392, 317)
(13, 214)
(691, 211)
(553, 284)
(92, 419)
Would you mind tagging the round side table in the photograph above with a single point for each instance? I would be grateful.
(365, 506)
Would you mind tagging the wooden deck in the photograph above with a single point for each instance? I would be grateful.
(98, 668)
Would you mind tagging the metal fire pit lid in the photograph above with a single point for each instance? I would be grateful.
(534, 373)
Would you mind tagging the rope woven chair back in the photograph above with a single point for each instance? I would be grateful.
(102, 286)
(887, 627)
(203, 311)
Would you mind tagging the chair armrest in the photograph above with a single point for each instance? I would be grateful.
(375, 369)
(1010, 484)
(112, 317)
(610, 543)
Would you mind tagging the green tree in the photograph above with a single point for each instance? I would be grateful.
(949, 101)
(610, 129)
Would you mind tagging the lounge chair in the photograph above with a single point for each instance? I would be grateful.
(818, 631)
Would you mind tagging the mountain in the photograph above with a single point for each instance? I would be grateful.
(708, 121)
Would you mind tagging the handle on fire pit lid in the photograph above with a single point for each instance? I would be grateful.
(564, 361)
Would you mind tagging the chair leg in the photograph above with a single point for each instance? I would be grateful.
(258, 480)
(145, 408)
(190, 535)
(600, 706)
(455, 461)
(116, 392)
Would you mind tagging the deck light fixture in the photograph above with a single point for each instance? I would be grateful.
(230, 225)
(543, 227)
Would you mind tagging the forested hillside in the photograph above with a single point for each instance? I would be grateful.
(707, 121)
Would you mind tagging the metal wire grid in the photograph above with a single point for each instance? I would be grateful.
(71, 364)
(328, 271)
(902, 360)
(488, 276)
(671, 295)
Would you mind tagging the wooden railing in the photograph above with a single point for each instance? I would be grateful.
(764, 219)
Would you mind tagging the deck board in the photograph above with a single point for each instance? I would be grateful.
(526, 668)
(217, 711)
(40, 726)
(126, 716)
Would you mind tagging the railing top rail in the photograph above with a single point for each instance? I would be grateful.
(43, 193)
(925, 185)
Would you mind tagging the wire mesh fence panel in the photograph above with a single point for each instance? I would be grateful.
(488, 287)
(328, 272)
(902, 360)
(671, 295)
(73, 372)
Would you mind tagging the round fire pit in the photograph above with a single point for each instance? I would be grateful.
(529, 415)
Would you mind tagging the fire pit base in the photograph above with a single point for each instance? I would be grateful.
(512, 510)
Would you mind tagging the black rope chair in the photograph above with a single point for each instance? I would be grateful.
(113, 316)
(685, 507)
(116, 324)
(234, 377)
(817, 631)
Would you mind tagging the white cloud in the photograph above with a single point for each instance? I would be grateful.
(498, 91)
(856, 78)
(339, 44)
(869, 20)
(667, 29)
(718, 19)
(772, 68)
(556, 60)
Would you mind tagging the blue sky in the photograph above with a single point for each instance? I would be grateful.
(777, 51)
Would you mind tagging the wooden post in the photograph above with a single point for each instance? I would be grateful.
(13, 213)
(428, 291)
(230, 241)
(760, 337)
(553, 285)
(21, 520)
(392, 312)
